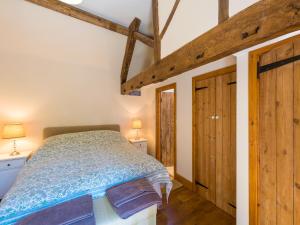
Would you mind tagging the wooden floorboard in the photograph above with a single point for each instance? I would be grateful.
(188, 208)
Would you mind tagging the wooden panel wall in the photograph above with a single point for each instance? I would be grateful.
(297, 135)
(214, 137)
(167, 128)
(226, 142)
(267, 136)
(278, 159)
(276, 137)
(285, 137)
(205, 139)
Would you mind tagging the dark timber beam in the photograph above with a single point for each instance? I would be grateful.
(223, 10)
(144, 38)
(134, 26)
(74, 12)
(263, 21)
(157, 41)
(164, 30)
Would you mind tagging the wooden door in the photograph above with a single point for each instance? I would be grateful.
(167, 129)
(226, 142)
(205, 146)
(279, 137)
(297, 135)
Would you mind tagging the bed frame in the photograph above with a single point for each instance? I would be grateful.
(52, 131)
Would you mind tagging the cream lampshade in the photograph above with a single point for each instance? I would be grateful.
(137, 125)
(13, 131)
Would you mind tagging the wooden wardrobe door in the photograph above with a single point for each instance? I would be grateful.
(167, 128)
(276, 140)
(267, 144)
(205, 139)
(297, 135)
(226, 143)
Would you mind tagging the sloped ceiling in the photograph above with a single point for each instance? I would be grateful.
(122, 12)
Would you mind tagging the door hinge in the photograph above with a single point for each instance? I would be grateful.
(232, 205)
(231, 83)
(200, 88)
(271, 66)
(202, 185)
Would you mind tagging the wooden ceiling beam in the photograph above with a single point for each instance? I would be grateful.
(157, 41)
(134, 26)
(168, 22)
(144, 38)
(74, 12)
(223, 10)
(263, 21)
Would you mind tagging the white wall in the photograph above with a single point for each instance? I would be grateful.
(242, 141)
(56, 70)
(192, 18)
(236, 6)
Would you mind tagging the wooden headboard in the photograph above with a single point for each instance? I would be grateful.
(51, 131)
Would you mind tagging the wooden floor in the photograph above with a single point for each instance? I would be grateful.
(188, 208)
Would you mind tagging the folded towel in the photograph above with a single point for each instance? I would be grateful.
(132, 197)
(78, 211)
(123, 193)
(137, 205)
(88, 221)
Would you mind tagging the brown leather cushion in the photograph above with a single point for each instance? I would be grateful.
(51, 131)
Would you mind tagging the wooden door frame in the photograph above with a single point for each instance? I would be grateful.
(206, 76)
(158, 122)
(254, 57)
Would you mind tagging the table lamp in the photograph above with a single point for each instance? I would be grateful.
(13, 131)
(137, 125)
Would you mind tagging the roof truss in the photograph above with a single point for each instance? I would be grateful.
(164, 30)
(157, 40)
(223, 10)
(261, 22)
(134, 26)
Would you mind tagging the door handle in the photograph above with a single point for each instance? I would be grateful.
(215, 117)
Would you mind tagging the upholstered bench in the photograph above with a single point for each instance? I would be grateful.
(105, 215)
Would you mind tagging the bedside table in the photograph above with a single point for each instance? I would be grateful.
(140, 144)
(10, 166)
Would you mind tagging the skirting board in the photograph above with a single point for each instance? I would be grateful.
(188, 184)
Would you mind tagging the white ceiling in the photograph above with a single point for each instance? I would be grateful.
(122, 12)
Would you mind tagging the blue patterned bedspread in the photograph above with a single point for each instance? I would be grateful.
(72, 165)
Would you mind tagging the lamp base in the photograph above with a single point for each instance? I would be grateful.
(137, 136)
(14, 153)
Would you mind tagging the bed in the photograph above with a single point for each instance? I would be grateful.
(74, 161)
